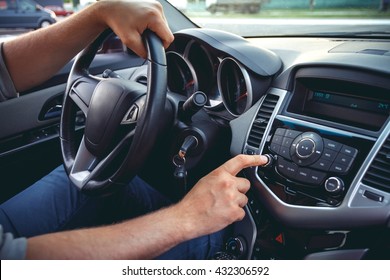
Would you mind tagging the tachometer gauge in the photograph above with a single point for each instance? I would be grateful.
(181, 76)
(235, 86)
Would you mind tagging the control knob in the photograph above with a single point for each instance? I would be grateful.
(307, 148)
(236, 246)
(334, 185)
(270, 162)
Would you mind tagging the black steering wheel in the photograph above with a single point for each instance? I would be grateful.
(122, 120)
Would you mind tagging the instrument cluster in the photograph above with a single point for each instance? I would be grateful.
(193, 66)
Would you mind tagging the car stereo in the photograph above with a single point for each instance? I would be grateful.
(314, 165)
(307, 157)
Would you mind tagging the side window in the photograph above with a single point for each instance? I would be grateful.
(3, 5)
(7, 5)
(27, 6)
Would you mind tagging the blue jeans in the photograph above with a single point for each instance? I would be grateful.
(53, 204)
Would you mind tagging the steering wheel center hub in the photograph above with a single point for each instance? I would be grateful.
(109, 103)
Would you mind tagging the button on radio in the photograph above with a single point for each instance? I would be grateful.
(301, 174)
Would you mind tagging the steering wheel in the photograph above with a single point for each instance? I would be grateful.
(122, 120)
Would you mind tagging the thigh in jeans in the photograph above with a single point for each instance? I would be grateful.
(53, 204)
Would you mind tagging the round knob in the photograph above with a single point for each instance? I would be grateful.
(334, 185)
(270, 161)
(236, 246)
(305, 148)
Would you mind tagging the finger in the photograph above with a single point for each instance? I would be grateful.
(242, 200)
(243, 185)
(133, 40)
(236, 164)
(162, 30)
(139, 48)
(240, 215)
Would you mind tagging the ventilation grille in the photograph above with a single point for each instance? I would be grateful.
(378, 175)
(262, 119)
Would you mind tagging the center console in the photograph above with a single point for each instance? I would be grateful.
(327, 188)
(321, 134)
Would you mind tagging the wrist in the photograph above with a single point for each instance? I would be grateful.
(99, 11)
(189, 226)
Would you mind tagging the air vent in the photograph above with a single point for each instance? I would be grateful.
(378, 174)
(262, 119)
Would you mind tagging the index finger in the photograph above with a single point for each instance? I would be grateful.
(236, 164)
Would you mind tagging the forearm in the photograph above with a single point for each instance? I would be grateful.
(142, 238)
(213, 203)
(36, 56)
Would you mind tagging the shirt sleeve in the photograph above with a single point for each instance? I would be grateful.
(7, 88)
(12, 248)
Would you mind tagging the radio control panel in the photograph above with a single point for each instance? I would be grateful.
(315, 163)
(307, 157)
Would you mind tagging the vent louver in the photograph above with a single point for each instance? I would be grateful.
(262, 119)
(378, 174)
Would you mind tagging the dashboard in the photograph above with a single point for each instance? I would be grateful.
(319, 108)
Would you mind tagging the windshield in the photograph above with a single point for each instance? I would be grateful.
(253, 18)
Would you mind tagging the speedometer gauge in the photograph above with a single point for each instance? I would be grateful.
(181, 75)
(235, 86)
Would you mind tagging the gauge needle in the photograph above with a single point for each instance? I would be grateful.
(242, 95)
(190, 84)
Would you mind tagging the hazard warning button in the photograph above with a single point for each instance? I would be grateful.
(279, 238)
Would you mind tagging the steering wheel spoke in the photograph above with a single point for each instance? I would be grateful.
(84, 162)
(82, 90)
(88, 167)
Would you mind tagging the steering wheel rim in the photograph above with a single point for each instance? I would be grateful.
(86, 164)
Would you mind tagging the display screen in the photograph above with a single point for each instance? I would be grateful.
(351, 102)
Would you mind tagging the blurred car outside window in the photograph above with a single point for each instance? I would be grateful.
(59, 11)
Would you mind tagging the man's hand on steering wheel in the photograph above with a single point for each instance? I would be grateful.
(107, 102)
